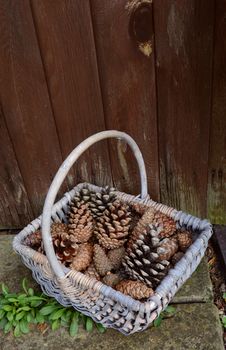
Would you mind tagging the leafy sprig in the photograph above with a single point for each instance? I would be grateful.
(167, 313)
(18, 311)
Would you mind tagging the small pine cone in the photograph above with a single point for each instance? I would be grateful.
(137, 210)
(135, 289)
(115, 256)
(112, 279)
(141, 226)
(34, 240)
(83, 258)
(80, 222)
(176, 257)
(101, 261)
(167, 249)
(167, 223)
(184, 239)
(92, 272)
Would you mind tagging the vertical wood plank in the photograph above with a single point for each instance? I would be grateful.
(184, 40)
(15, 210)
(25, 101)
(69, 57)
(128, 89)
(217, 158)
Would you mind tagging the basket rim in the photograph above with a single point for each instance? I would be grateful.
(161, 293)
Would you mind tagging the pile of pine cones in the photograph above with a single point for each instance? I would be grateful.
(130, 247)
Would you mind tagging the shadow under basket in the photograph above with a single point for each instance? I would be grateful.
(87, 295)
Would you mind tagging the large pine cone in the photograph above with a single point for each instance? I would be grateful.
(115, 256)
(83, 258)
(80, 222)
(112, 227)
(101, 261)
(167, 223)
(135, 289)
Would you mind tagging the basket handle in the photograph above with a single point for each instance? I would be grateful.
(61, 174)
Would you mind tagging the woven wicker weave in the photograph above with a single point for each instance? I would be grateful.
(93, 298)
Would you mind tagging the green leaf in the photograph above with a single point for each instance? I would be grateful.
(40, 318)
(17, 331)
(20, 315)
(31, 292)
(73, 327)
(7, 308)
(57, 314)
(3, 323)
(55, 325)
(13, 300)
(36, 303)
(47, 310)
(2, 314)
(224, 296)
(89, 324)
(158, 321)
(29, 318)
(5, 289)
(24, 326)
(100, 328)
(8, 327)
(24, 285)
(23, 308)
(170, 309)
(9, 316)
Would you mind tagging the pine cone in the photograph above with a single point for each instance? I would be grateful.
(135, 289)
(65, 248)
(184, 239)
(115, 256)
(112, 279)
(112, 227)
(137, 211)
(101, 261)
(167, 223)
(34, 240)
(80, 222)
(148, 258)
(83, 258)
(176, 257)
(92, 272)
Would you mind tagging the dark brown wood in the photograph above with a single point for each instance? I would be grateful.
(184, 41)
(217, 156)
(127, 76)
(219, 240)
(25, 101)
(15, 210)
(69, 58)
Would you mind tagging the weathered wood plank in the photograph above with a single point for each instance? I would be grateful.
(25, 101)
(128, 87)
(15, 210)
(184, 41)
(217, 156)
(69, 57)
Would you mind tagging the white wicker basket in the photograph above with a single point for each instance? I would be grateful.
(93, 298)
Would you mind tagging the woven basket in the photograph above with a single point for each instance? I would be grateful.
(93, 298)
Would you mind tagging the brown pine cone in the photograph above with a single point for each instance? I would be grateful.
(92, 272)
(101, 261)
(184, 239)
(80, 222)
(167, 223)
(137, 210)
(176, 257)
(83, 258)
(167, 249)
(112, 279)
(34, 240)
(135, 289)
(115, 256)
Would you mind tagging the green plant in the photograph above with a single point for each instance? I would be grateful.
(18, 311)
(167, 313)
(223, 320)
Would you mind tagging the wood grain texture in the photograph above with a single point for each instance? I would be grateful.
(15, 210)
(184, 41)
(128, 89)
(25, 101)
(69, 57)
(217, 156)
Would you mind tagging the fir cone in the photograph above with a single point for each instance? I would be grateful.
(135, 289)
(148, 258)
(184, 239)
(137, 211)
(167, 223)
(80, 222)
(92, 272)
(101, 261)
(83, 258)
(112, 279)
(64, 247)
(112, 227)
(176, 257)
(34, 240)
(115, 256)
(141, 226)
